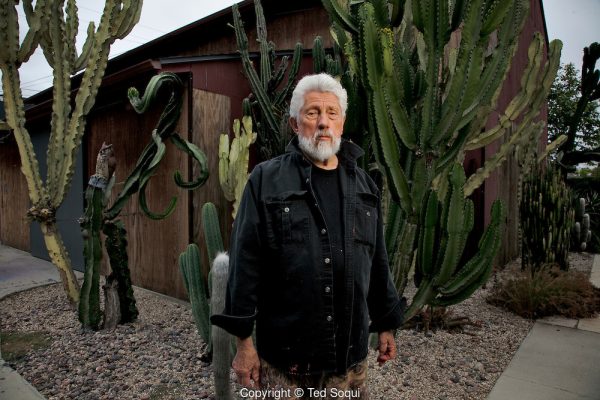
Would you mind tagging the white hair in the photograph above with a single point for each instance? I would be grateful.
(317, 83)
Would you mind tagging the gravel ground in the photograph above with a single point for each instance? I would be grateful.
(159, 356)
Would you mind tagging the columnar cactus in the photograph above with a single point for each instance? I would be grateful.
(222, 341)
(581, 234)
(190, 266)
(233, 160)
(546, 217)
(431, 72)
(268, 105)
(53, 26)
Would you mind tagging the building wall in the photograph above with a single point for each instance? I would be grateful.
(14, 198)
(503, 183)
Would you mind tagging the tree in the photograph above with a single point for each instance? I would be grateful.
(572, 110)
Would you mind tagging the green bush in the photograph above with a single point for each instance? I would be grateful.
(547, 291)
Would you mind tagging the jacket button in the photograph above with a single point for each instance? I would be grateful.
(327, 261)
(327, 289)
(287, 209)
(329, 318)
(368, 213)
(323, 231)
(307, 180)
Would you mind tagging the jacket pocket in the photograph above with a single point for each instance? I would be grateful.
(365, 226)
(288, 218)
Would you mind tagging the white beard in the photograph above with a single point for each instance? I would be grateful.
(318, 150)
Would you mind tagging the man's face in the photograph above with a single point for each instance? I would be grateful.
(320, 125)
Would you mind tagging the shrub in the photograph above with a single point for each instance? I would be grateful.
(547, 291)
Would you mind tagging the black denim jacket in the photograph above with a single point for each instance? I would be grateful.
(281, 272)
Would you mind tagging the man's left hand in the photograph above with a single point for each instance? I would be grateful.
(387, 347)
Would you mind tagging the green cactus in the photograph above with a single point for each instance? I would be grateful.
(222, 341)
(546, 214)
(268, 105)
(581, 234)
(431, 72)
(116, 248)
(233, 160)
(90, 314)
(53, 26)
(190, 266)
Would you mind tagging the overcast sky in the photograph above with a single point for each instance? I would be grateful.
(575, 22)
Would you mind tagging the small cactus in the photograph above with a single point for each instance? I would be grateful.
(581, 234)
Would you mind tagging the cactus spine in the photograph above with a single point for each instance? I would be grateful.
(431, 72)
(545, 198)
(268, 105)
(54, 31)
(233, 160)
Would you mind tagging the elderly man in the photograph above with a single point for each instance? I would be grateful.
(308, 261)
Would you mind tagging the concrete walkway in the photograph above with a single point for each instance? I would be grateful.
(20, 271)
(558, 360)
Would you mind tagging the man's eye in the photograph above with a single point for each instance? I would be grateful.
(312, 114)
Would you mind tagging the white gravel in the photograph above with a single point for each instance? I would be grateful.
(159, 356)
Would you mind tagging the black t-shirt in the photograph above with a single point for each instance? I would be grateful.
(326, 184)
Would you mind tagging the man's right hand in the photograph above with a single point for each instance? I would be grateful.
(246, 363)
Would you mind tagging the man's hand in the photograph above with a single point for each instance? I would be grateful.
(246, 363)
(387, 347)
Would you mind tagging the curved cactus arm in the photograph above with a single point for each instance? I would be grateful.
(198, 155)
(340, 15)
(426, 253)
(82, 61)
(481, 262)
(518, 139)
(35, 20)
(145, 176)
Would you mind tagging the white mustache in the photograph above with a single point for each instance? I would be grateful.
(319, 134)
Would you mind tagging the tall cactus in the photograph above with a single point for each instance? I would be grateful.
(233, 160)
(53, 26)
(432, 72)
(268, 104)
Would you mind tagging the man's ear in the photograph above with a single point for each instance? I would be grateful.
(294, 124)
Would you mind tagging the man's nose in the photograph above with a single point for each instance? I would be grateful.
(323, 121)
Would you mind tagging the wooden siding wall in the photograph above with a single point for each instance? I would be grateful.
(154, 246)
(503, 183)
(284, 30)
(210, 118)
(14, 198)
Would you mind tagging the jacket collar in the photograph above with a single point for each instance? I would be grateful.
(348, 149)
